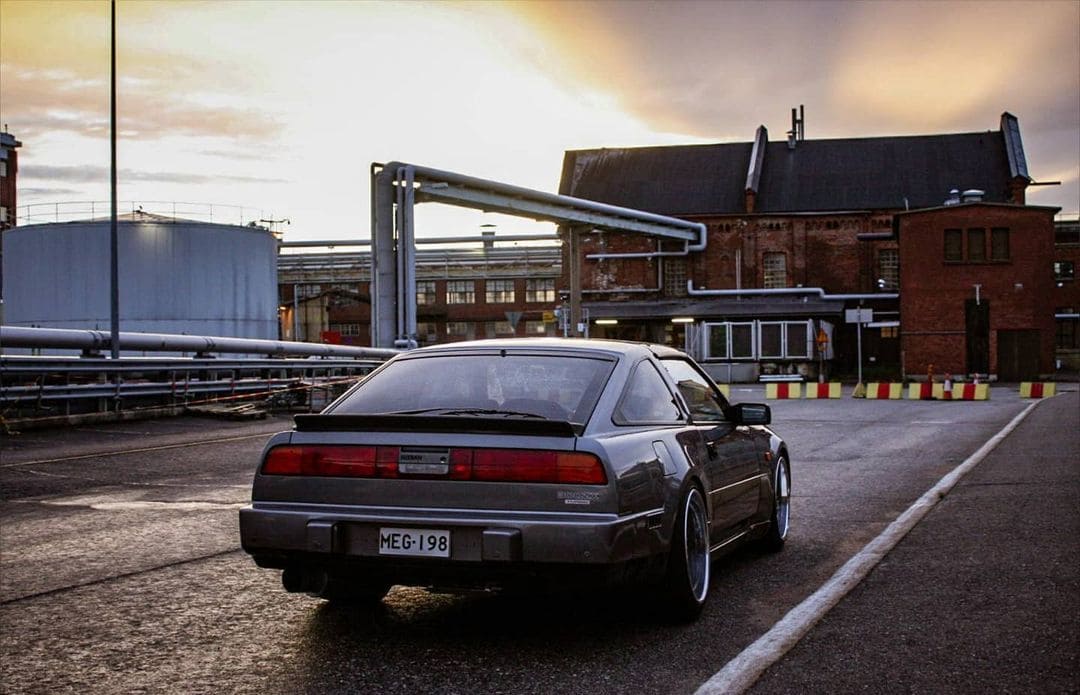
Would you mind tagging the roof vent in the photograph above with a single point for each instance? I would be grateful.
(954, 197)
(973, 195)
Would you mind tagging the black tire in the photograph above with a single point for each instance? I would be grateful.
(780, 521)
(686, 584)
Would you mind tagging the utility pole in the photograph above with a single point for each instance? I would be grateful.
(114, 262)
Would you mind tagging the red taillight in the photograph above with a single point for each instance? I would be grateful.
(487, 465)
(332, 461)
(522, 465)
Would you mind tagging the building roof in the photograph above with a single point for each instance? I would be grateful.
(881, 173)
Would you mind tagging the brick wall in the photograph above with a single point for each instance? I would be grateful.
(933, 291)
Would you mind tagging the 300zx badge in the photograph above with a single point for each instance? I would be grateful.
(578, 496)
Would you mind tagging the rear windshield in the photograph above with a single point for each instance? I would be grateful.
(553, 387)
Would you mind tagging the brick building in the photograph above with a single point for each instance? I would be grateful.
(483, 288)
(801, 231)
(975, 294)
(1066, 292)
(9, 168)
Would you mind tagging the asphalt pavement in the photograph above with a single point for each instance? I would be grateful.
(982, 596)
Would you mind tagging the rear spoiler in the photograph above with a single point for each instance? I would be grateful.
(435, 423)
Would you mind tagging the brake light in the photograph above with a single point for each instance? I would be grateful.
(332, 461)
(521, 465)
(484, 465)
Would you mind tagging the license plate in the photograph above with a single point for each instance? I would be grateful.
(414, 542)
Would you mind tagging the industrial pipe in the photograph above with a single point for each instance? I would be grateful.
(95, 340)
(820, 292)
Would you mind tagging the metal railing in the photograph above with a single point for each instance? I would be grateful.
(36, 387)
(151, 210)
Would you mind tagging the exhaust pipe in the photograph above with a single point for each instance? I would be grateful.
(298, 580)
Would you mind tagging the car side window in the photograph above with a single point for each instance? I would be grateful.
(704, 402)
(647, 399)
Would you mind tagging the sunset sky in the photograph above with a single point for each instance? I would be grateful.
(282, 106)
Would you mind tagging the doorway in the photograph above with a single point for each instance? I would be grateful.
(1018, 355)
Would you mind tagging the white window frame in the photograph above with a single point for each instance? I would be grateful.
(456, 292)
(805, 349)
(427, 292)
(499, 291)
(539, 290)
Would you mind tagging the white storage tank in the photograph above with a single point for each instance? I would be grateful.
(176, 276)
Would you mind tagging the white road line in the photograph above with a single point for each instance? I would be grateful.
(743, 671)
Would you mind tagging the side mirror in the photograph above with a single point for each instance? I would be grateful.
(751, 414)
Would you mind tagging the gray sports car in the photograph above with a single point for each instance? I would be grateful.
(520, 464)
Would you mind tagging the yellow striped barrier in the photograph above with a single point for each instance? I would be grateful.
(971, 392)
(884, 390)
(827, 390)
(1037, 389)
(783, 390)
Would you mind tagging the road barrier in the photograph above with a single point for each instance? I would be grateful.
(970, 392)
(884, 391)
(783, 390)
(827, 390)
(1037, 389)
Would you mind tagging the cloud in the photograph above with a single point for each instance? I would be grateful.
(32, 192)
(97, 174)
(59, 101)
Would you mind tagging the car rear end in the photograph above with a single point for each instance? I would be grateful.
(467, 495)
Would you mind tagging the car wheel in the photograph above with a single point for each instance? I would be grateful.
(781, 511)
(689, 566)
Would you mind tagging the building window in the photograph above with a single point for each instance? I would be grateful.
(499, 291)
(775, 266)
(427, 333)
(772, 339)
(1067, 233)
(1064, 271)
(718, 341)
(889, 268)
(1065, 337)
(742, 341)
(540, 290)
(460, 329)
(425, 292)
(999, 244)
(344, 329)
(499, 329)
(954, 245)
(302, 291)
(3, 168)
(675, 277)
(797, 340)
(460, 292)
(890, 331)
(976, 244)
(536, 328)
(3, 213)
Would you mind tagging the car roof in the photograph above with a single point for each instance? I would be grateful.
(612, 347)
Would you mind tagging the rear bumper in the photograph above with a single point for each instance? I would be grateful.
(280, 535)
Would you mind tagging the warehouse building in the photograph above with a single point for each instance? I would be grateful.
(807, 235)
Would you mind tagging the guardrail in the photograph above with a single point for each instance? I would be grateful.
(46, 387)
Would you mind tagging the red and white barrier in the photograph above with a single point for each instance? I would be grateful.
(783, 390)
(827, 390)
(884, 391)
(1037, 389)
(970, 392)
